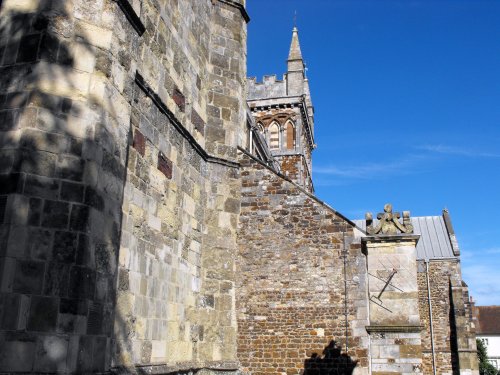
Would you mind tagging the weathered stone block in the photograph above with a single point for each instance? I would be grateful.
(165, 165)
(71, 191)
(28, 277)
(100, 352)
(93, 198)
(17, 351)
(35, 211)
(57, 279)
(65, 246)
(51, 354)
(43, 314)
(179, 99)
(79, 220)
(55, 214)
(197, 121)
(85, 351)
(139, 142)
(39, 186)
(70, 168)
(82, 282)
(28, 48)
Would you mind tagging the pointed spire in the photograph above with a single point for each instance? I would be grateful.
(295, 53)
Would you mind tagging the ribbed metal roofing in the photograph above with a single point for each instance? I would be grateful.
(434, 240)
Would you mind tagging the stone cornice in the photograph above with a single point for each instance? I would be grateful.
(140, 81)
(394, 329)
(391, 238)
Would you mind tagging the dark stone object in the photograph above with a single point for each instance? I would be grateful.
(139, 142)
(197, 121)
(179, 99)
(165, 165)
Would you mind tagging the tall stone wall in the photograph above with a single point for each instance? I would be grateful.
(119, 127)
(298, 307)
(453, 336)
(64, 128)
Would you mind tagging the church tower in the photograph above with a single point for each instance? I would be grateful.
(284, 114)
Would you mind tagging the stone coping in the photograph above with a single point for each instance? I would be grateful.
(310, 195)
(132, 16)
(137, 24)
(391, 238)
(240, 7)
(162, 107)
(394, 329)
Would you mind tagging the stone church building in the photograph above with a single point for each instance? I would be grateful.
(158, 216)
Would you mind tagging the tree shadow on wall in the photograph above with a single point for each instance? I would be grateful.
(53, 133)
(331, 362)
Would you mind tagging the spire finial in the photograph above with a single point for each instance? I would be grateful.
(295, 53)
(295, 21)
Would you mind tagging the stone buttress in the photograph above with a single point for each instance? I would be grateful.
(119, 184)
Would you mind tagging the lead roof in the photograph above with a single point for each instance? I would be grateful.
(434, 242)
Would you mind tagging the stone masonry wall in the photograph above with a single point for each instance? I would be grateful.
(290, 289)
(449, 320)
(117, 117)
(168, 307)
(63, 146)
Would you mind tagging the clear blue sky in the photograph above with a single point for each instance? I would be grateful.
(407, 99)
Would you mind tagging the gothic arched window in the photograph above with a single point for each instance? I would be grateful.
(290, 135)
(274, 136)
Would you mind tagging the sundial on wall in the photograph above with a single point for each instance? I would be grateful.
(388, 273)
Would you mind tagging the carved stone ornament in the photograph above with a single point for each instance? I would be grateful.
(389, 222)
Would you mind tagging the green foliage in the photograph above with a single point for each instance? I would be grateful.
(485, 368)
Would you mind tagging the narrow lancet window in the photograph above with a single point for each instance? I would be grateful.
(274, 136)
(290, 136)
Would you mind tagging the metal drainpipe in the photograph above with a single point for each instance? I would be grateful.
(430, 316)
(345, 295)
